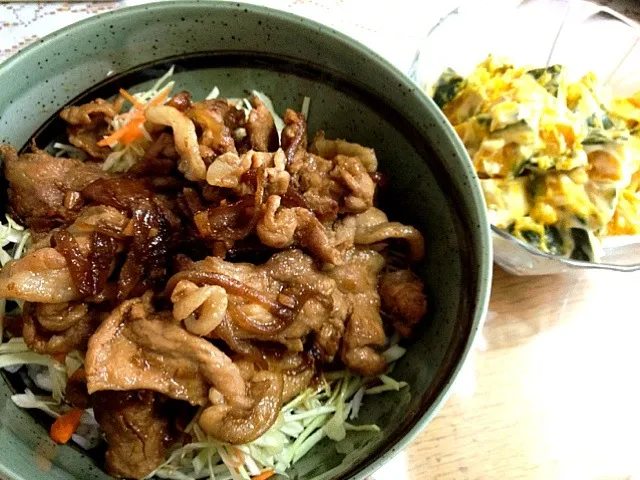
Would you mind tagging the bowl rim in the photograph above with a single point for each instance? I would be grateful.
(569, 262)
(484, 247)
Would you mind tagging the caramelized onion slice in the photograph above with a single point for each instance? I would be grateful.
(89, 274)
(234, 287)
(249, 324)
(228, 222)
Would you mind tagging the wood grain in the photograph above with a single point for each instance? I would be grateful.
(550, 390)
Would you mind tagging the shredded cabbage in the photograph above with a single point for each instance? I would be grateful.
(306, 102)
(47, 404)
(47, 373)
(393, 353)
(26, 358)
(69, 150)
(88, 434)
(73, 361)
(51, 376)
(123, 157)
(307, 419)
(13, 241)
(215, 93)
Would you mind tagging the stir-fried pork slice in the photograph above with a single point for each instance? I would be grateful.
(134, 348)
(330, 187)
(339, 182)
(181, 101)
(323, 302)
(363, 333)
(58, 328)
(158, 159)
(403, 297)
(244, 425)
(138, 431)
(312, 180)
(353, 175)
(83, 114)
(331, 148)
(100, 218)
(89, 123)
(288, 282)
(212, 118)
(261, 128)
(75, 391)
(86, 138)
(372, 226)
(251, 173)
(320, 304)
(184, 135)
(295, 383)
(41, 186)
(227, 170)
(58, 317)
(297, 373)
(45, 275)
(154, 230)
(358, 279)
(40, 276)
(281, 227)
(232, 116)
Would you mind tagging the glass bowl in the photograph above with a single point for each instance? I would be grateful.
(580, 35)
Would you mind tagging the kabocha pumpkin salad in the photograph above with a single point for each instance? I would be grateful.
(558, 161)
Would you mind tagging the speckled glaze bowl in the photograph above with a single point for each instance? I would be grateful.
(355, 95)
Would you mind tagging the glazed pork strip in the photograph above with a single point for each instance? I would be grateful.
(41, 186)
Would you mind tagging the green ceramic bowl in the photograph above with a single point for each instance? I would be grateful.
(355, 94)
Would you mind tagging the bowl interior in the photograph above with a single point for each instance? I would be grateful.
(354, 95)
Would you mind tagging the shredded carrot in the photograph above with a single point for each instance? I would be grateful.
(264, 475)
(114, 137)
(132, 130)
(129, 97)
(159, 100)
(126, 134)
(237, 456)
(65, 426)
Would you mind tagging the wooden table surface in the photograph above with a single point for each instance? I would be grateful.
(550, 390)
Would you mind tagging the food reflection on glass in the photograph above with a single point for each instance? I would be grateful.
(199, 272)
(558, 160)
